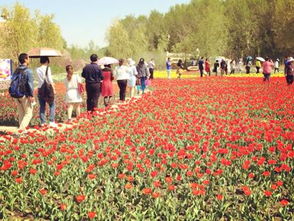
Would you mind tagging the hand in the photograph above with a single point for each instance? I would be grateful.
(31, 99)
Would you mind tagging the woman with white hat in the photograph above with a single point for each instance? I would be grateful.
(289, 70)
(133, 73)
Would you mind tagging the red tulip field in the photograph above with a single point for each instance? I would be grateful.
(191, 149)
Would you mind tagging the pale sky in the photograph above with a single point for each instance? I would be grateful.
(84, 20)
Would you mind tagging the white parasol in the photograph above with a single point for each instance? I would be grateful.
(41, 52)
(107, 60)
(260, 59)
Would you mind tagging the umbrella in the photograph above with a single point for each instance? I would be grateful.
(40, 52)
(107, 60)
(249, 58)
(260, 59)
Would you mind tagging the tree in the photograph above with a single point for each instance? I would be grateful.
(49, 34)
(118, 38)
(283, 28)
(20, 31)
(242, 27)
(233, 28)
(156, 32)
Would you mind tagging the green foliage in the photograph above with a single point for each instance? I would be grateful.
(119, 43)
(49, 33)
(283, 26)
(233, 28)
(22, 31)
(19, 31)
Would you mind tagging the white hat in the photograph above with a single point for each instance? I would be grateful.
(290, 59)
(131, 61)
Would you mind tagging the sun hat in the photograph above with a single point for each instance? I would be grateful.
(291, 59)
(131, 61)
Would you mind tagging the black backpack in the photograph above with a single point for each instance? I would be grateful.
(46, 91)
(18, 85)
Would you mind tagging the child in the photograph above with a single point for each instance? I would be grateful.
(73, 95)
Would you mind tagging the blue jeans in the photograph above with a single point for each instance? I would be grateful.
(43, 111)
(143, 84)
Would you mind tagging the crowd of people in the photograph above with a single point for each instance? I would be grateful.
(224, 66)
(98, 80)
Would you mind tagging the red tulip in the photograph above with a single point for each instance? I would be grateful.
(91, 215)
(80, 198)
(284, 202)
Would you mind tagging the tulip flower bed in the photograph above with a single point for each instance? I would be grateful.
(8, 108)
(201, 149)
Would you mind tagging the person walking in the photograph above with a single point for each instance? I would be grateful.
(121, 73)
(239, 67)
(73, 96)
(107, 88)
(151, 67)
(193, 62)
(201, 66)
(180, 68)
(132, 78)
(258, 66)
(168, 68)
(289, 71)
(285, 64)
(207, 66)
(233, 66)
(93, 76)
(26, 102)
(215, 67)
(247, 67)
(267, 69)
(44, 74)
(277, 66)
(224, 67)
(143, 73)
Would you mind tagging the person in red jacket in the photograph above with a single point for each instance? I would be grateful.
(207, 66)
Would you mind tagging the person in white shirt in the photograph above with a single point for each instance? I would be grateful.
(151, 66)
(41, 76)
(132, 79)
(239, 66)
(121, 73)
(277, 66)
(73, 96)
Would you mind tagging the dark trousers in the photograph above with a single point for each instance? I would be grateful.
(93, 93)
(289, 79)
(266, 76)
(151, 70)
(201, 72)
(122, 84)
(257, 70)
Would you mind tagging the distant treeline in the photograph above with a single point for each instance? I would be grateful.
(232, 28)
(22, 30)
